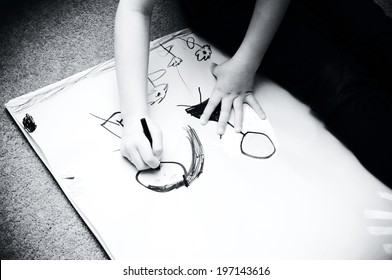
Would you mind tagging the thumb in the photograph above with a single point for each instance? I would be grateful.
(212, 69)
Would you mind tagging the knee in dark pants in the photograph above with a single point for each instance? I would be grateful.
(336, 83)
(363, 124)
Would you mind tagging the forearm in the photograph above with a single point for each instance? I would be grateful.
(264, 23)
(131, 55)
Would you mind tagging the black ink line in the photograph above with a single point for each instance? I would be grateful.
(195, 169)
(182, 79)
(106, 120)
(151, 81)
(197, 110)
(192, 41)
(163, 72)
(167, 50)
(118, 123)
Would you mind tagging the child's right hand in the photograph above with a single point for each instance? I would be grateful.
(136, 147)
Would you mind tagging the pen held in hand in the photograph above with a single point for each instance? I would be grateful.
(146, 130)
(147, 133)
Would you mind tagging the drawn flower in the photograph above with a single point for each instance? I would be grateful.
(203, 53)
(157, 94)
(175, 61)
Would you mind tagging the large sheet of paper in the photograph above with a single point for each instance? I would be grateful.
(291, 192)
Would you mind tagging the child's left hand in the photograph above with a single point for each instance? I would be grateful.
(234, 86)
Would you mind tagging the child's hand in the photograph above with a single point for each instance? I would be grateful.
(136, 147)
(234, 86)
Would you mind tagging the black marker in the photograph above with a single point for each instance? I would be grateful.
(146, 130)
(148, 135)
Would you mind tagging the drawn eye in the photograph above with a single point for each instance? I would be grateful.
(257, 145)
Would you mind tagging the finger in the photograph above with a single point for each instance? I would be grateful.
(238, 104)
(133, 156)
(254, 104)
(138, 161)
(209, 109)
(212, 69)
(224, 116)
(157, 142)
(147, 155)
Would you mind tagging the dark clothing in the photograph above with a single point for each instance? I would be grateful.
(334, 55)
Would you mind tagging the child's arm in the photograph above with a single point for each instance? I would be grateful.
(235, 77)
(132, 53)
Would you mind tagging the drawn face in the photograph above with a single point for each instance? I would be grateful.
(157, 94)
(174, 62)
(169, 175)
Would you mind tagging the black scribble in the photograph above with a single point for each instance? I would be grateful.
(188, 176)
(246, 149)
(29, 124)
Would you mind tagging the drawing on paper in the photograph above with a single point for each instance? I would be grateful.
(153, 179)
(253, 144)
(112, 124)
(175, 60)
(203, 53)
(172, 175)
(159, 91)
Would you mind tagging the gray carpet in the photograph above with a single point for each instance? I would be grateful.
(41, 42)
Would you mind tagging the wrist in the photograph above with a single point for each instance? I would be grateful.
(245, 64)
(133, 116)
